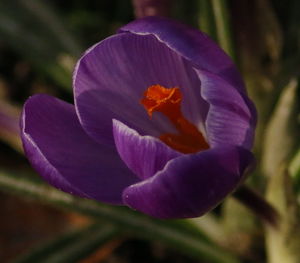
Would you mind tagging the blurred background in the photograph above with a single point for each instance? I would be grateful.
(41, 40)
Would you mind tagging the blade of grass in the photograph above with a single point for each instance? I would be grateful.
(46, 15)
(206, 18)
(223, 30)
(33, 30)
(178, 234)
(72, 246)
(9, 125)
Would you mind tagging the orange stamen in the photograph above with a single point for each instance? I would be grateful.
(167, 101)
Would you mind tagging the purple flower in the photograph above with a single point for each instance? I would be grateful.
(161, 123)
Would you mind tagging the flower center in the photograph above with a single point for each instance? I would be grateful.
(167, 101)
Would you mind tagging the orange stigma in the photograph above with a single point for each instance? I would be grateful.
(167, 101)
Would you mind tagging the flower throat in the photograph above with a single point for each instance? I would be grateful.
(167, 101)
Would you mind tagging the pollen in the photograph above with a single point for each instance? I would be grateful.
(168, 102)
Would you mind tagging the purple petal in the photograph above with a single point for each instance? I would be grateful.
(190, 43)
(232, 117)
(144, 155)
(110, 80)
(190, 185)
(66, 157)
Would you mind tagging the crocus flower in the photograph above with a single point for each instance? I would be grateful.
(161, 123)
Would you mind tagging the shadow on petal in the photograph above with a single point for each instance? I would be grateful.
(66, 157)
(144, 155)
(190, 185)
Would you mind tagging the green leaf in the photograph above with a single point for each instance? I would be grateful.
(281, 140)
(223, 28)
(295, 165)
(35, 31)
(9, 125)
(46, 15)
(283, 243)
(72, 246)
(176, 233)
(282, 133)
(206, 18)
(214, 20)
(210, 225)
(294, 170)
(291, 20)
